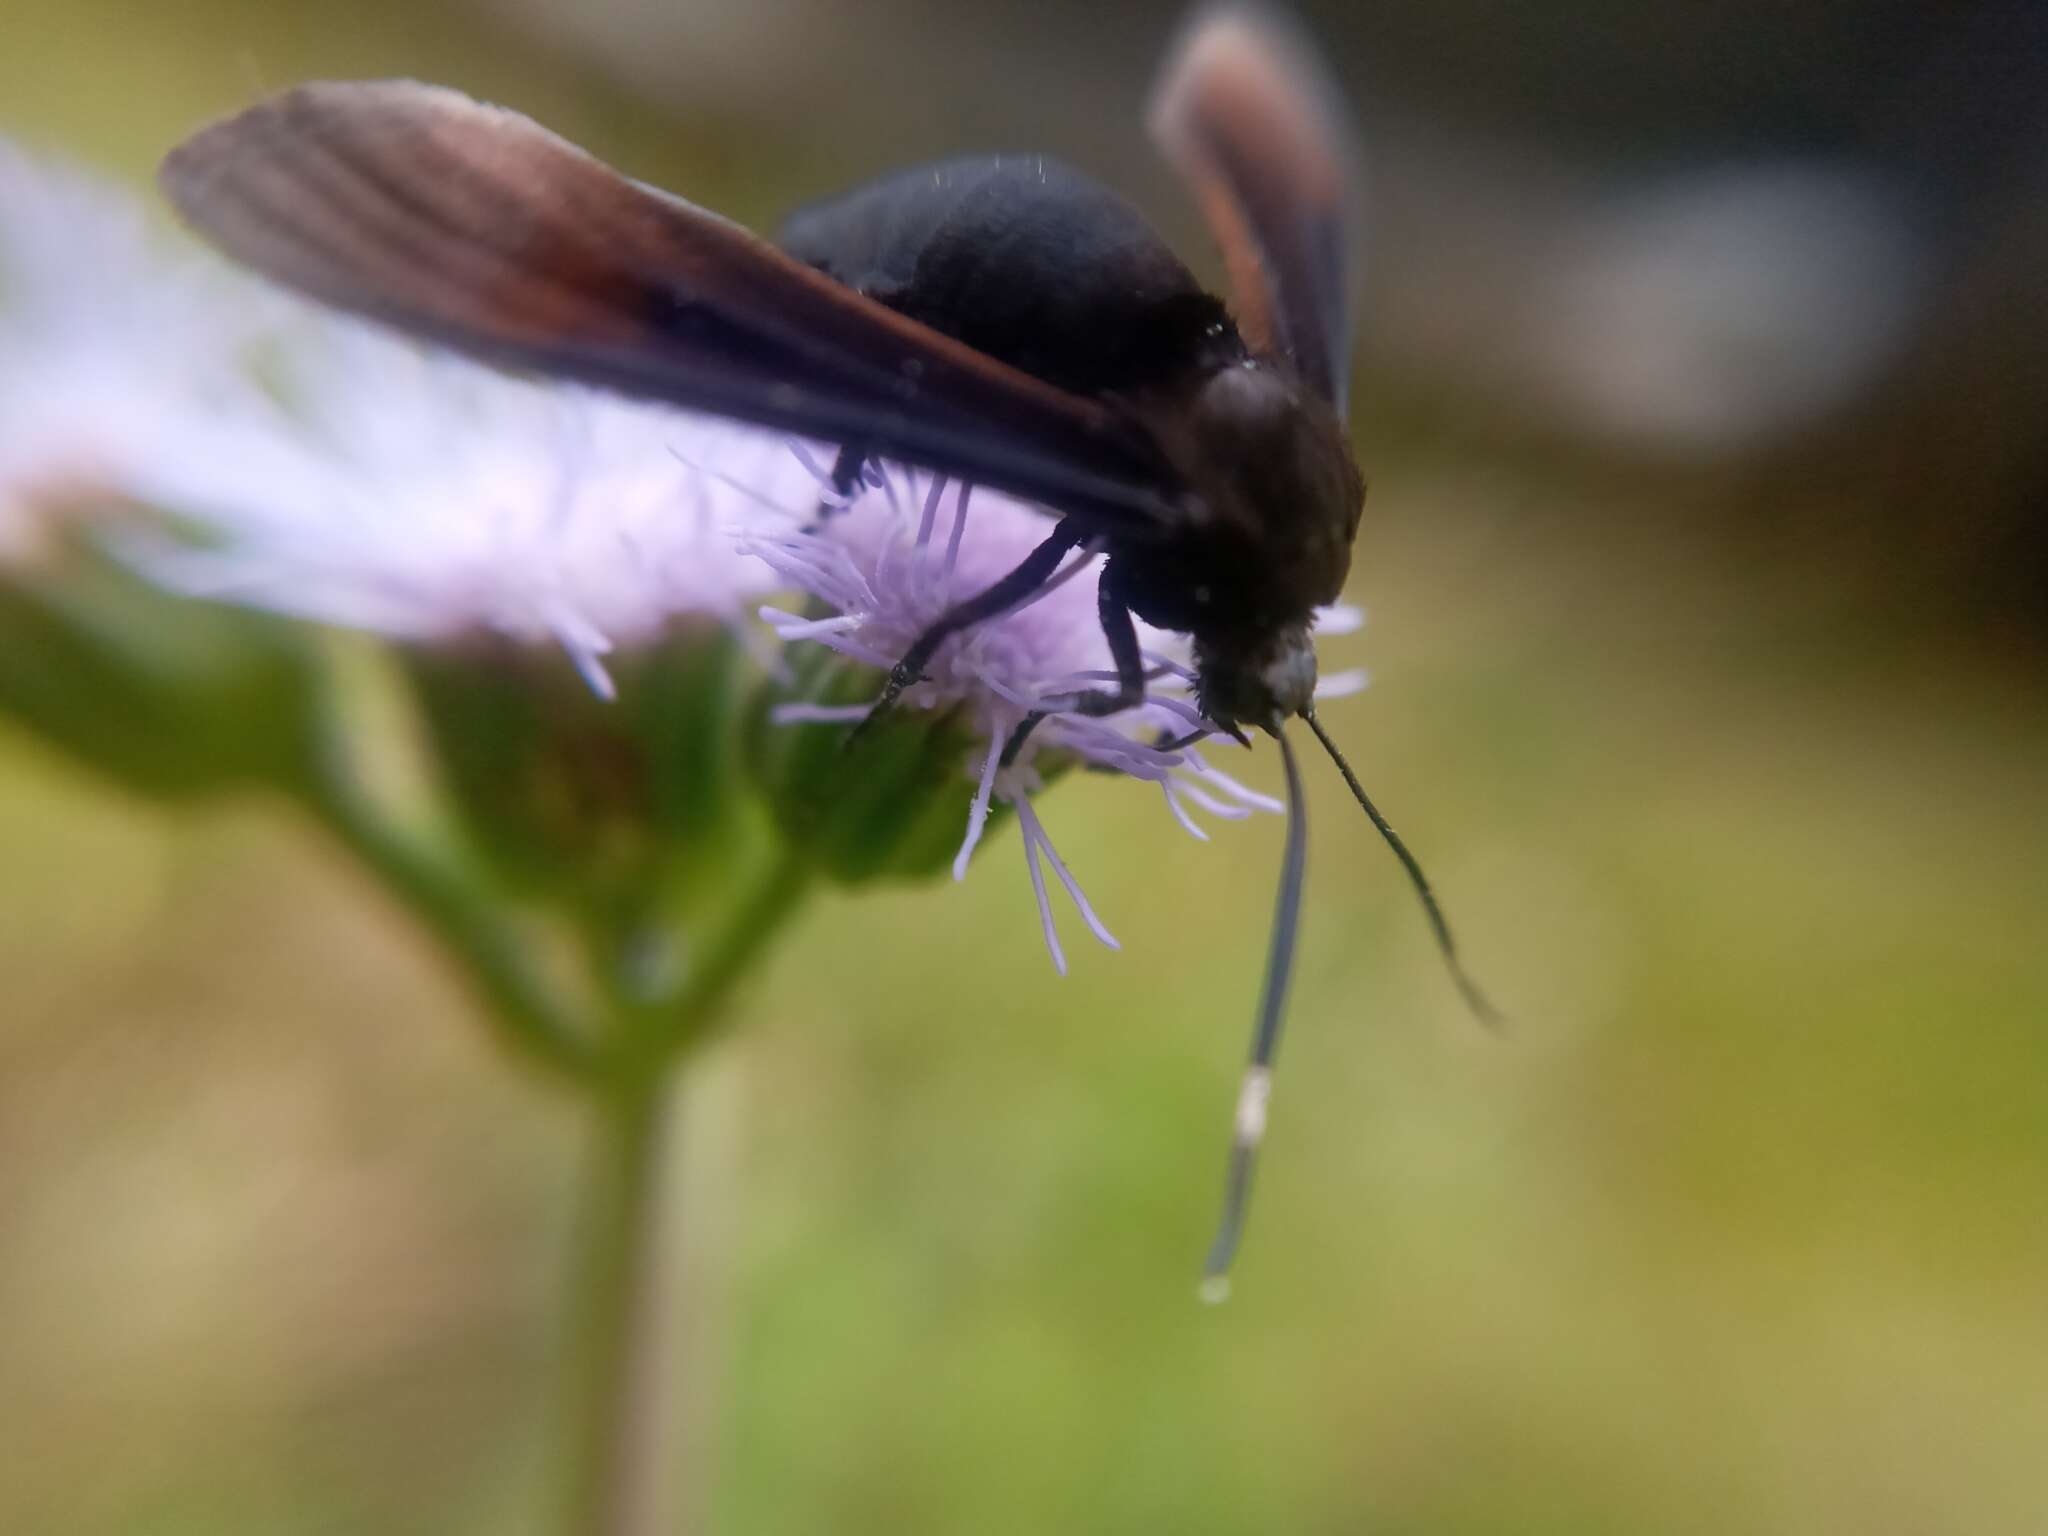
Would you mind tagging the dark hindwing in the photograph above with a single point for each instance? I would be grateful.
(1251, 119)
(476, 228)
(1027, 261)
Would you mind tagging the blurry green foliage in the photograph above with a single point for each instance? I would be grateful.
(1739, 1230)
(169, 697)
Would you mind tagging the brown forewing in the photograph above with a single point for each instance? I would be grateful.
(475, 227)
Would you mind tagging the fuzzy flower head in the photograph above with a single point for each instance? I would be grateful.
(906, 546)
(425, 498)
(116, 356)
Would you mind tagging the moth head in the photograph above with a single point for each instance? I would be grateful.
(1256, 679)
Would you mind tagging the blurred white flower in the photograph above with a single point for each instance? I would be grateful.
(116, 355)
(423, 497)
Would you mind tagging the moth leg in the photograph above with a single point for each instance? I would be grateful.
(846, 478)
(1122, 635)
(1032, 572)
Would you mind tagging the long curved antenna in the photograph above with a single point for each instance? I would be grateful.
(1486, 1013)
(1258, 1072)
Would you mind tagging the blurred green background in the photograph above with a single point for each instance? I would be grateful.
(1721, 726)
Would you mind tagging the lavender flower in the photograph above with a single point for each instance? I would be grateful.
(903, 549)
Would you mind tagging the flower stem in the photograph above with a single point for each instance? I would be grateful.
(612, 1448)
(451, 904)
(656, 1030)
(622, 1410)
(767, 909)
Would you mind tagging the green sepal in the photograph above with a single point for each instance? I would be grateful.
(888, 804)
(604, 805)
(171, 696)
